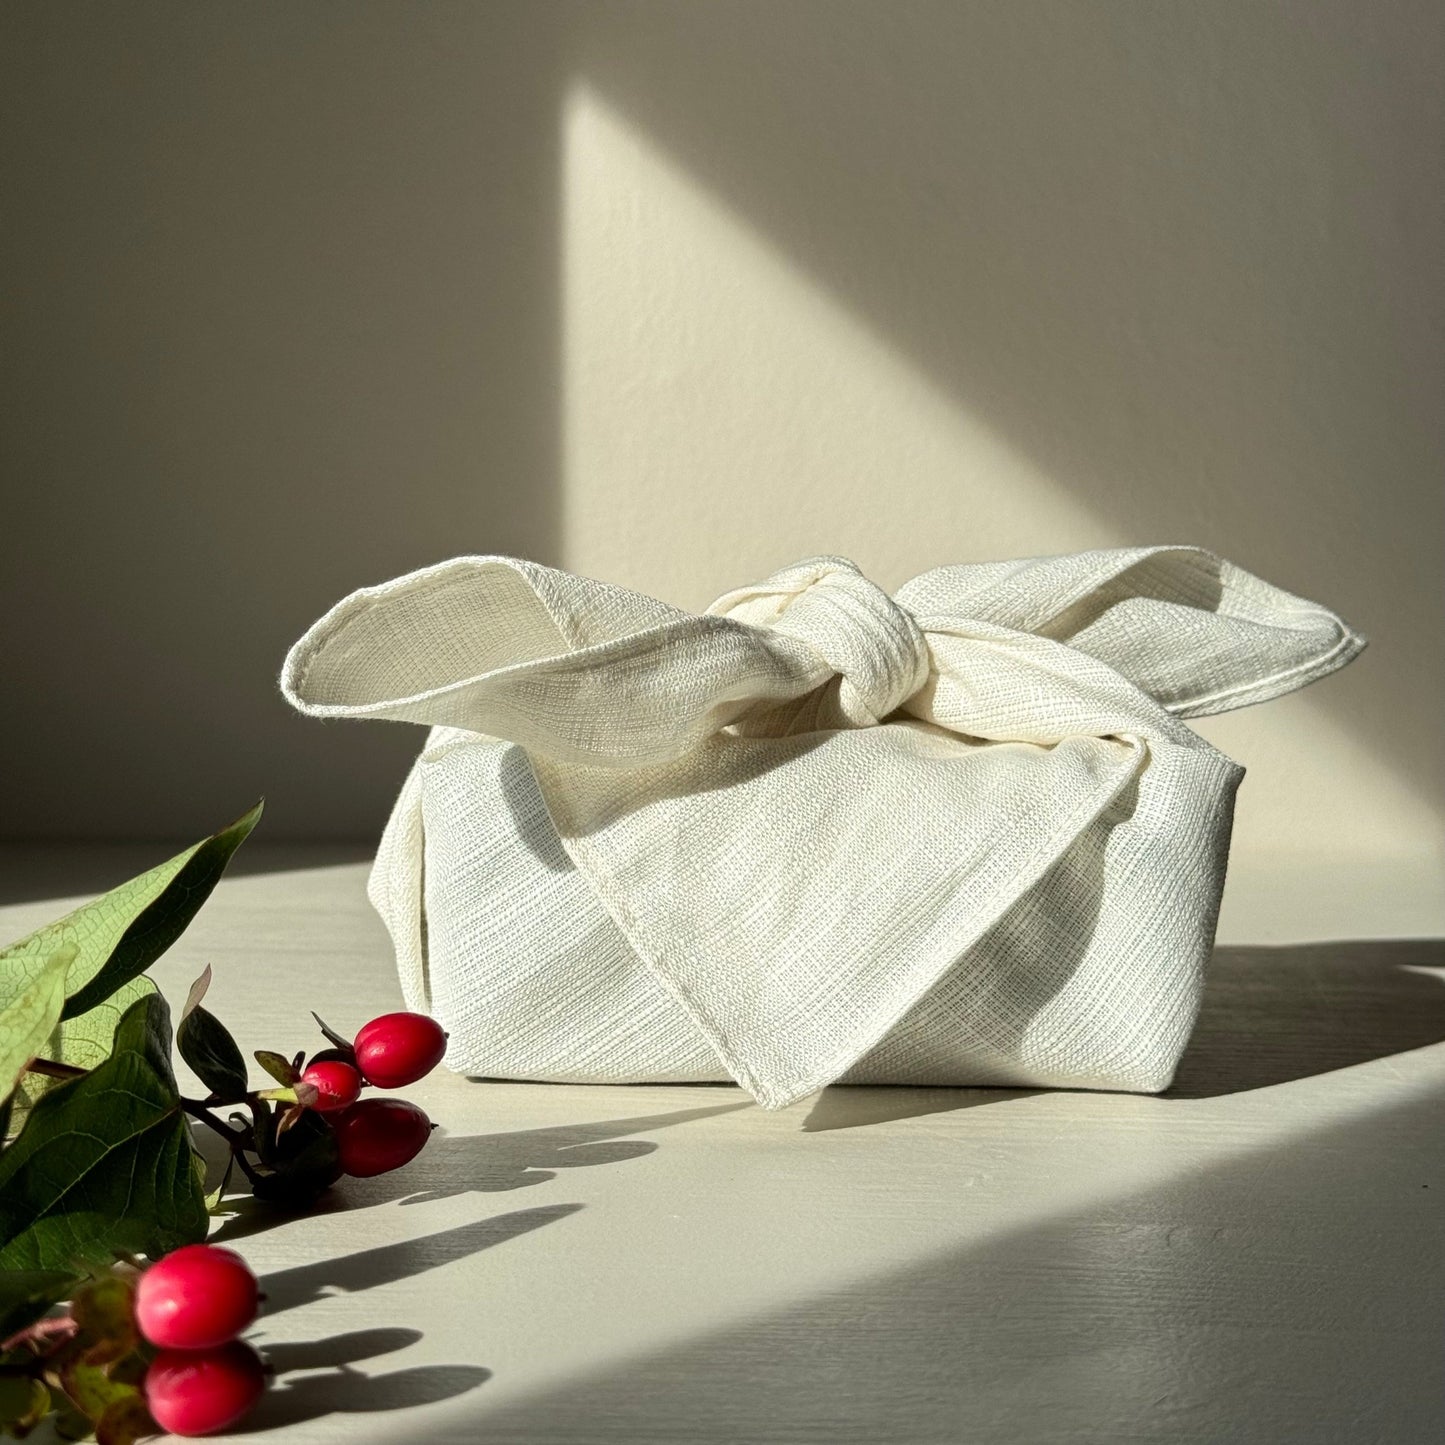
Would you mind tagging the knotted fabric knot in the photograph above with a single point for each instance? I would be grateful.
(872, 642)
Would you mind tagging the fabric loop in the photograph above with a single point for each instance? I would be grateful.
(643, 844)
(870, 640)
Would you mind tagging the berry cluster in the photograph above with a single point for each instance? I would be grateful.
(374, 1136)
(138, 1349)
(192, 1305)
(315, 1126)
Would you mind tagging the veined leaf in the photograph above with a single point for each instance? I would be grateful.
(26, 1295)
(82, 1042)
(104, 1162)
(120, 934)
(94, 1392)
(207, 1046)
(278, 1066)
(27, 1021)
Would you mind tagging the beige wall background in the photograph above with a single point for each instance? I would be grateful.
(301, 296)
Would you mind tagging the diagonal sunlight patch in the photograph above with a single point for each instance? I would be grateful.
(724, 413)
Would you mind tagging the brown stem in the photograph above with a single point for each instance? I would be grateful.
(238, 1139)
(196, 1110)
(245, 1164)
(40, 1330)
(54, 1069)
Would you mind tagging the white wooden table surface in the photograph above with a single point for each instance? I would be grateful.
(1256, 1257)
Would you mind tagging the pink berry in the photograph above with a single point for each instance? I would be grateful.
(337, 1084)
(197, 1392)
(379, 1135)
(196, 1297)
(398, 1049)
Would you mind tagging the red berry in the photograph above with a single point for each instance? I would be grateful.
(336, 1083)
(379, 1135)
(197, 1392)
(398, 1049)
(197, 1296)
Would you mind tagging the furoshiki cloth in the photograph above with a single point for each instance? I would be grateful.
(960, 835)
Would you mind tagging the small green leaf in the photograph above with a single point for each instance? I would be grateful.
(104, 1308)
(120, 934)
(103, 1164)
(27, 1021)
(24, 1402)
(207, 1046)
(214, 1198)
(125, 1421)
(92, 1390)
(70, 1423)
(332, 1037)
(197, 992)
(278, 1066)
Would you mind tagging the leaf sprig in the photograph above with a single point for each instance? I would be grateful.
(99, 1167)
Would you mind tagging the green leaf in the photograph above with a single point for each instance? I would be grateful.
(125, 1421)
(216, 1195)
(120, 934)
(83, 1042)
(24, 1402)
(27, 1021)
(207, 1046)
(104, 1308)
(92, 1390)
(26, 1295)
(104, 1163)
(70, 1423)
(278, 1066)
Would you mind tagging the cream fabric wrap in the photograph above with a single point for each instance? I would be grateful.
(817, 833)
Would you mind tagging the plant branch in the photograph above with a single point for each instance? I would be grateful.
(246, 1167)
(54, 1069)
(54, 1327)
(234, 1137)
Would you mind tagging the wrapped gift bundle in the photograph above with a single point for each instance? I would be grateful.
(817, 833)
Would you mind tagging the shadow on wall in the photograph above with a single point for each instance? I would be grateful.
(1174, 256)
(261, 354)
(281, 322)
(1259, 1302)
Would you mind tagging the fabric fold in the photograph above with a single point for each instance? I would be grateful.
(786, 830)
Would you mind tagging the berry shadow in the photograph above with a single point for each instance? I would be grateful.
(316, 1378)
(388, 1263)
(451, 1165)
(337, 1351)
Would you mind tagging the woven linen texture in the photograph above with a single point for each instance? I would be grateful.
(960, 835)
